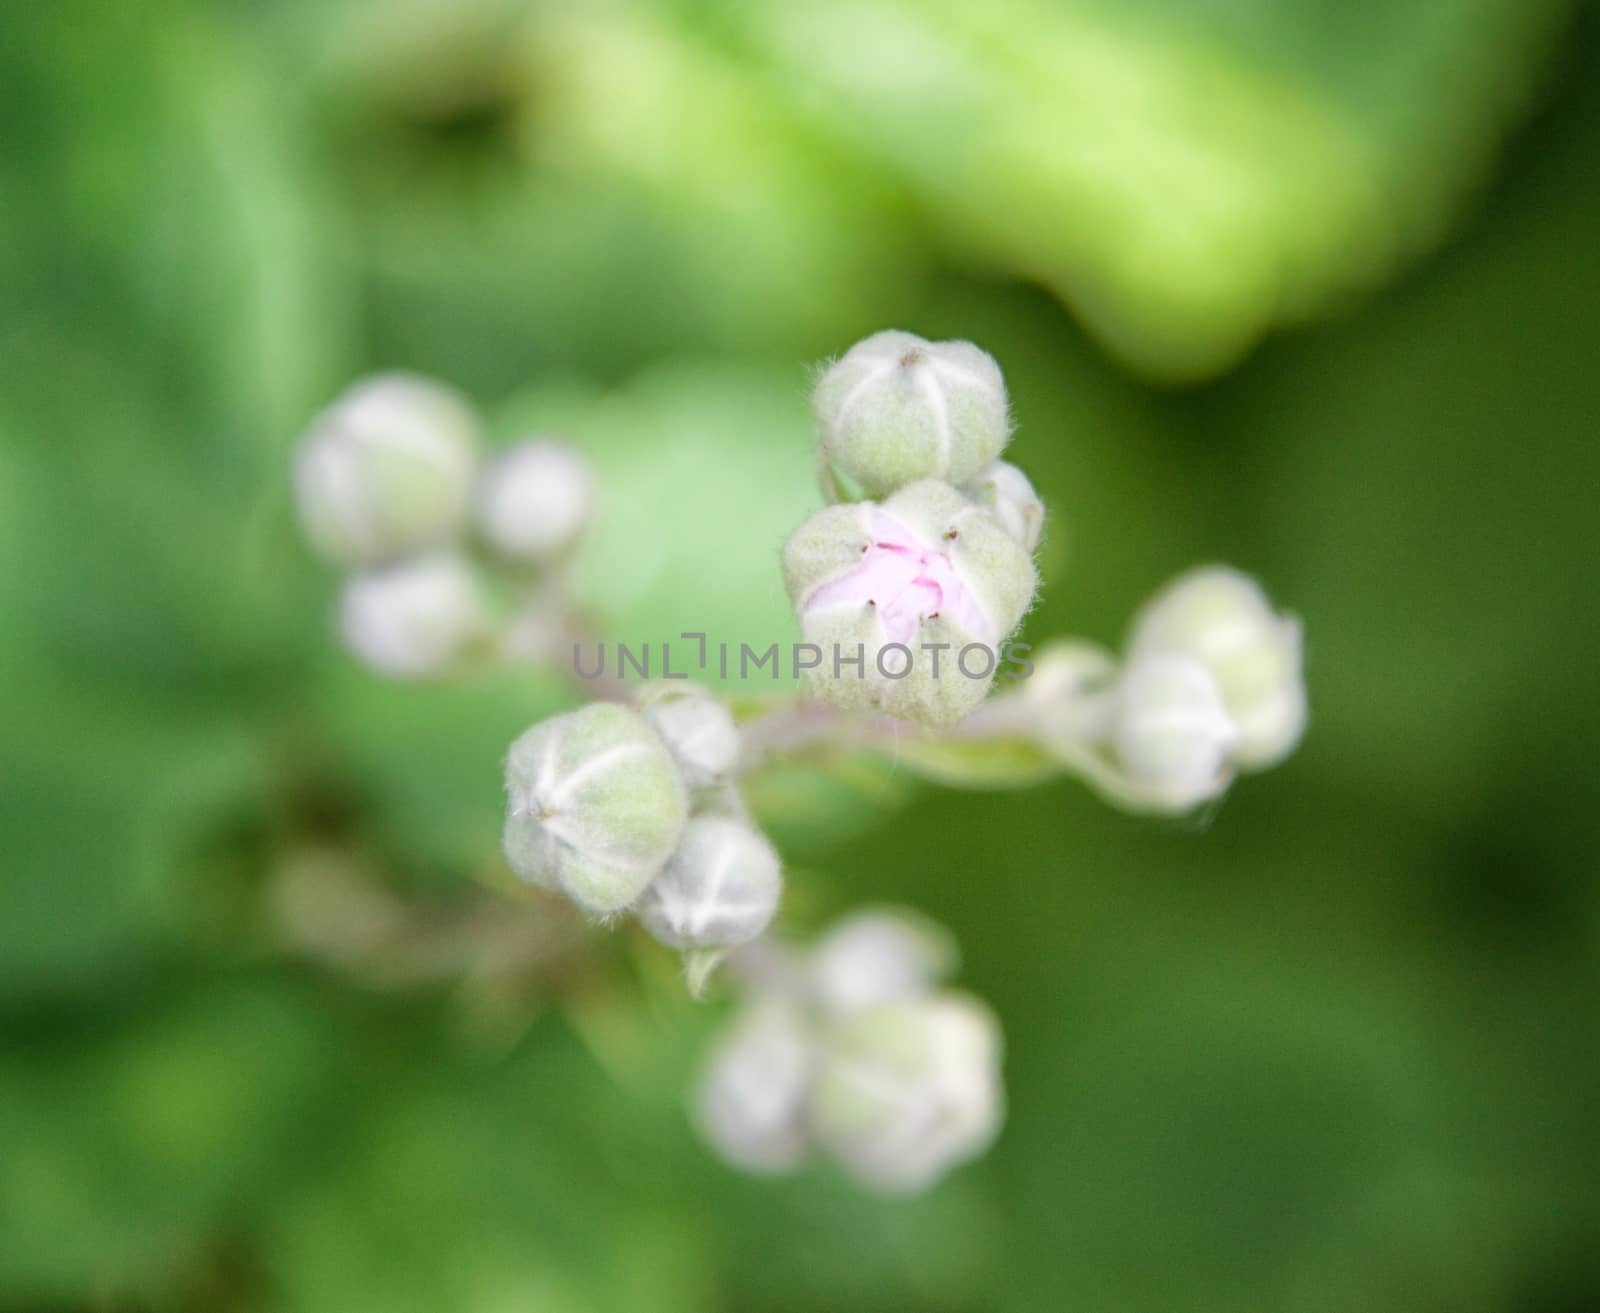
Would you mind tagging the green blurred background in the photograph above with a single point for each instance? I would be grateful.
(1308, 287)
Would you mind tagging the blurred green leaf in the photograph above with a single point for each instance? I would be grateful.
(1184, 177)
(126, 1155)
(513, 1186)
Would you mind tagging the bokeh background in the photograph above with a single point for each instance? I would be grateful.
(1307, 287)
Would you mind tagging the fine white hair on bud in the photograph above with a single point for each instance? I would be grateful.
(909, 1089)
(1006, 493)
(594, 806)
(696, 727)
(534, 500)
(1222, 619)
(751, 1102)
(413, 619)
(386, 470)
(907, 602)
(896, 408)
(878, 956)
(720, 888)
(1170, 730)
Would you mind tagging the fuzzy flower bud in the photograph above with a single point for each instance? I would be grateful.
(594, 806)
(896, 408)
(696, 727)
(1170, 730)
(1222, 619)
(751, 1102)
(877, 957)
(1005, 492)
(908, 602)
(719, 889)
(907, 1090)
(413, 619)
(534, 499)
(386, 470)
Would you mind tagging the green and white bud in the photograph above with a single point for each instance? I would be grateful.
(594, 806)
(907, 1090)
(896, 408)
(1005, 492)
(534, 500)
(696, 727)
(923, 589)
(720, 888)
(1170, 730)
(414, 619)
(1222, 619)
(751, 1102)
(879, 956)
(386, 470)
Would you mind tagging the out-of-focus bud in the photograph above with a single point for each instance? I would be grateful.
(1005, 492)
(896, 408)
(696, 727)
(1222, 619)
(414, 619)
(1068, 695)
(909, 1089)
(386, 470)
(908, 602)
(534, 500)
(720, 888)
(1170, 730)
(877, 957)
(594, 806)
(751, 1101)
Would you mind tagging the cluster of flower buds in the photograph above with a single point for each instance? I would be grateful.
(909, 584)
(1211, 684)
(911, 597)
(390, 488)
(855, 1051)
(633, 809)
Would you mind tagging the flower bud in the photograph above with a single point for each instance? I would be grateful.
(1068, 695)
(909, 1089)
(751, 1101)
(386, 470)
(719, 889)
(923, 588)
(413, 619)
(877, 957)
(1005, 492)
(696, 727)
(1170, 730)
(594, 806)
(896, 408)
(1222, 619)
(533, 500)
